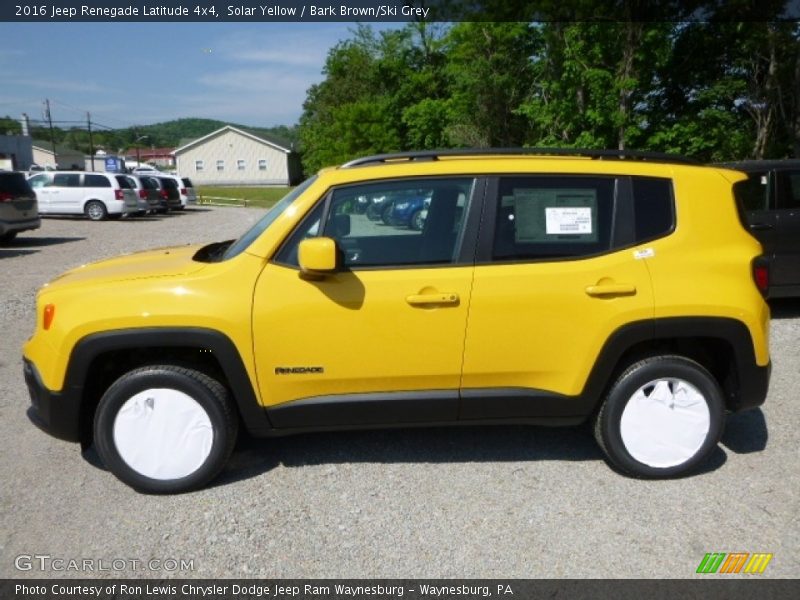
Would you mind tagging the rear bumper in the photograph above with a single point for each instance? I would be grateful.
(27, 224)
(55, 413)
(753, 387)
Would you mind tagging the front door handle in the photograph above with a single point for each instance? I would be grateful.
(428, 299)
(611, 289)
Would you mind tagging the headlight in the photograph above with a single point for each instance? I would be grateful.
(401, 206)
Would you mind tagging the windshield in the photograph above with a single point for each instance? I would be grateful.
(256, 230)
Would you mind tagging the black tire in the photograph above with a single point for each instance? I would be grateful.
(386, 213)
(8, 237)
(691, 434)
(170, 385)
(95, 210)
(416, 222)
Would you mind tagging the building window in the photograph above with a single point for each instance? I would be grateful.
(220, 165)
(199, 165)
(262, 164)
(240, 164)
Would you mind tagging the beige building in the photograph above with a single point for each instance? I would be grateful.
(65, 158)
(232, 156)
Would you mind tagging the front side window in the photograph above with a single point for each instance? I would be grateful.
(67, 180)
(40, 181)
(389, 224)
(552, 217)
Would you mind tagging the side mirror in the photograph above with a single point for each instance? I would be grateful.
(317, 256)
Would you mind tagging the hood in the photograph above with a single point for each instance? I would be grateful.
(163, 262)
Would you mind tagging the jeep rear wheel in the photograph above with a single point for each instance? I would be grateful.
(165, 429)
(662, 418)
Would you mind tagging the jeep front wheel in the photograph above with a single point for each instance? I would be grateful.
(662, 418)
(165, 429)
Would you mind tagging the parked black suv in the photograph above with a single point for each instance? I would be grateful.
(769, 202)
(19, 210)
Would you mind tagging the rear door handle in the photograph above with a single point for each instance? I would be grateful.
(611, 289)
(428, 299)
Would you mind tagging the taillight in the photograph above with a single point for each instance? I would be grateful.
(119, 194)
(761, 275)
(143, 194)
(183, 191)
(49, 313)
(6, 197)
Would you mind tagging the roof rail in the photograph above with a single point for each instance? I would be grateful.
(431, 155)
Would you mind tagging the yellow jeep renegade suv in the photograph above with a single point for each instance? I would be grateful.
(545, 287)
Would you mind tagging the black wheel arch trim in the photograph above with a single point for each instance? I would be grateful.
(224, 350)
(752, 380)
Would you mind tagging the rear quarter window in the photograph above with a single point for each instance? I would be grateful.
(653, 206)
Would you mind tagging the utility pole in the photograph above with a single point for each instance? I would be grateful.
(52, 136)
(91, 145)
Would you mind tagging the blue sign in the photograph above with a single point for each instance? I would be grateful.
(113, 164)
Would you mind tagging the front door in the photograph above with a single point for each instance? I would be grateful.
(381, 341)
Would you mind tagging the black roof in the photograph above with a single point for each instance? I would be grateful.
(431, 155)
(751, 166)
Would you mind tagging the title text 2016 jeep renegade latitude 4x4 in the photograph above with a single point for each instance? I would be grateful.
(540, 289)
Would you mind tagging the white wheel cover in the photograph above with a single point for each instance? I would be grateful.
(665, 422)
(163, 434)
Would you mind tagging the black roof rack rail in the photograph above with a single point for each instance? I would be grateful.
(431, 155)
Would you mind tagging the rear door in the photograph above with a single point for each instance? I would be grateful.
(558, 271)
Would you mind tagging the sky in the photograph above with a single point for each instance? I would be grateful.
(141, 73)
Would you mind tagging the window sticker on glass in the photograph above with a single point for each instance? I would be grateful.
(552, 215)
(568, 220)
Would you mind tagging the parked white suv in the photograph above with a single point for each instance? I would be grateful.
(187, 191)
(97, 195)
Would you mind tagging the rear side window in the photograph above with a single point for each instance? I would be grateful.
(67, 180)
(15, 184)
(96, 181)
(170, 184)
(753, 193)
(653, 207)
(125, 182)
(187, 182)
(550, 217)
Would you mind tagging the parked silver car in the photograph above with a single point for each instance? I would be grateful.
(18, 207)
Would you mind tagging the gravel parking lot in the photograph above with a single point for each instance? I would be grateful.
(467, 502)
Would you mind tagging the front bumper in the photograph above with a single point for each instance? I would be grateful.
(55, 413)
